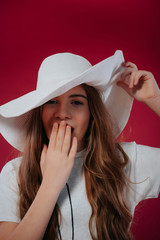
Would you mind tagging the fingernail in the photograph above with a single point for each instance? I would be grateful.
(68, 127)
(63, 123)
(55, 124)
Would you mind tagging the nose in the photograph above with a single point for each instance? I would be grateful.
(62, 112)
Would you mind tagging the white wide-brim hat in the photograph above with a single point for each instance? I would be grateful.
(59, 73)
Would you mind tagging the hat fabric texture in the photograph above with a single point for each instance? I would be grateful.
(57, 74)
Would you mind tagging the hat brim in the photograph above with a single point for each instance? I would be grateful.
(103, 76)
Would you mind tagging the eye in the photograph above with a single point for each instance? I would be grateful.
(77, 103)
(50, 102)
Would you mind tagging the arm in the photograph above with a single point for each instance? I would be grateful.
(34, 223)
(56, 163)
(141, 85)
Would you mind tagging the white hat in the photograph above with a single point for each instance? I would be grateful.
(59, 73)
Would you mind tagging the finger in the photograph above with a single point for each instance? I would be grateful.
(132, 80)
(43, 155)
(52, 140)
(142, 75)
(67, 140)
(127, 72)
(60, 136)
(138, 76)
(130, 64)
(73, 149)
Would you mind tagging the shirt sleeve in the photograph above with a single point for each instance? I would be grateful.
(144, 171)
(9, 192)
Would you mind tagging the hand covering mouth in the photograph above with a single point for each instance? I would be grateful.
(72, 129)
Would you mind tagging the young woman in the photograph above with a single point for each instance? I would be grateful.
(74, 180)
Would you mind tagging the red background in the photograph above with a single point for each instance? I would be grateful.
(33, 29)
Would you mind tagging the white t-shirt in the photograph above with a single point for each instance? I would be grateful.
(144, 172)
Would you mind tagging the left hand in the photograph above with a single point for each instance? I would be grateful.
(138, 83)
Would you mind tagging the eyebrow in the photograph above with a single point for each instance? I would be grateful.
(78, 95)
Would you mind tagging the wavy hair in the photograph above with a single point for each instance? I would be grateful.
(104, 172)
(105, 176)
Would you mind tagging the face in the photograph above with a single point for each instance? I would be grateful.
(72, 107)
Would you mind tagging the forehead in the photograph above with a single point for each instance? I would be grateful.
(75, 90)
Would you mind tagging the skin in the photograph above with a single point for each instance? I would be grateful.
(58, 159)
(71, 108)
(141, 85)
(68, 110)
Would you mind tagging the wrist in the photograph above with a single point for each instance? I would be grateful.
(154, 104)
(50, 187)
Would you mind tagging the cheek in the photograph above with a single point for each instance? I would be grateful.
(83, 122)
(45, 120)
(44, 117)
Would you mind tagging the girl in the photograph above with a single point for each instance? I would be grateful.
(74, 180)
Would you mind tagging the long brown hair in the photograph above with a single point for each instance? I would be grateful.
(104, 174)
(103, 169)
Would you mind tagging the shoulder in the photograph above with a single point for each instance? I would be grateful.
(130, 149)
(9, 191)
(12, 164)
(143, 169)
(137, 151)
(10, 170)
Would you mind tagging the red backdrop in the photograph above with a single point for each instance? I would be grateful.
(34, 29)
